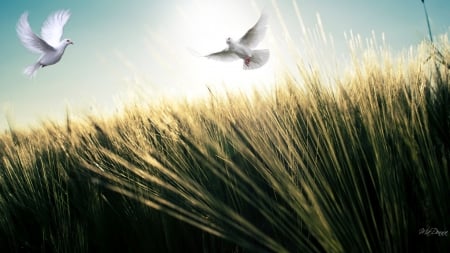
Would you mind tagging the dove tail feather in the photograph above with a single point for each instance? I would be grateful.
(258, 59)
(30, 71)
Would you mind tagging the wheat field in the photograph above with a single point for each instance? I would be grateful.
(359, 166)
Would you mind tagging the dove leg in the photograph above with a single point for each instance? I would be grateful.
(258, 59)
(247, 61)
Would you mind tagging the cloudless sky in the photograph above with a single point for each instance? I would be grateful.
(125, 46)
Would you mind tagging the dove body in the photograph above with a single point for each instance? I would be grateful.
(53, 57)
(240, 50)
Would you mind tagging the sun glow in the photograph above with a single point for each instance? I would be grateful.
(198, 29)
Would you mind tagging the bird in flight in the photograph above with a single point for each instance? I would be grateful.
(243, 48)
(49, 45)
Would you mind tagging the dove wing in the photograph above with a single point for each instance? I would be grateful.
(224, 55)
(53, 27)
(29, 39)
(253, 36)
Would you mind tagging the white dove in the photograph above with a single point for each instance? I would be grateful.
(242, 48)
(49, 46)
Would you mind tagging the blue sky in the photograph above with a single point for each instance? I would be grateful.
(124, 46)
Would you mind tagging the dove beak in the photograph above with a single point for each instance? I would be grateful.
(71, 42)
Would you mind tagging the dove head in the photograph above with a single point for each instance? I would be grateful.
(67, 42)
(229, 40)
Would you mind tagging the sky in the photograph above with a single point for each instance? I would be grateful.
(124, 49)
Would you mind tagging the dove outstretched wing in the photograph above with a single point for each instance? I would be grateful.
(53, 27)
(224, 55)
(253, 36)
(29, 39)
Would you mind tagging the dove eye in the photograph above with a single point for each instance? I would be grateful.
(67, 40)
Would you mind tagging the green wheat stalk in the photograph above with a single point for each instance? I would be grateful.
(428, 21)
(440, 57)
